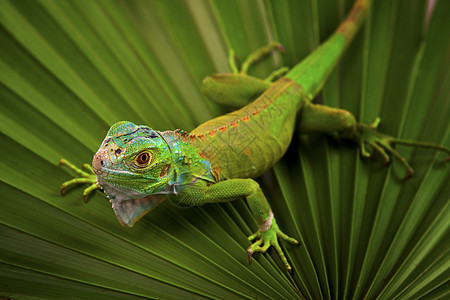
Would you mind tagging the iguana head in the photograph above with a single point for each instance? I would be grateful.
(133, 165)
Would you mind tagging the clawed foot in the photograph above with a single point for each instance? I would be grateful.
(254, 57)
(87, 176)
(372, 141)
(270, 238)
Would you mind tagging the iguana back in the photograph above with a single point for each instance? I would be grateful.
(247, 142)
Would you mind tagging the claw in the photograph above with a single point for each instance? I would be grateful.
(84, 177)
(375, 123)
(88, 168)
(254, 236)
(258, 54)
(269, 238)
(249, 254)
(382, 152)
(281, 48)
(232, 61)
(409, 174)
(381, 143)
(364, 151)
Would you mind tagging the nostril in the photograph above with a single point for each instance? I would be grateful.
(99, 161)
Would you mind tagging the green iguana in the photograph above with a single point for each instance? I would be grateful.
(139, 167)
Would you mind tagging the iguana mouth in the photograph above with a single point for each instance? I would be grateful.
(130, 211)
(129, 205)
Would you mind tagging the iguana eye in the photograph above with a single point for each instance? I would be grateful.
(143, 159)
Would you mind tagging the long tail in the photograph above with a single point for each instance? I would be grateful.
(313, 71)
(355, 18)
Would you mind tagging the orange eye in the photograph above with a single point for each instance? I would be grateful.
(143, 159)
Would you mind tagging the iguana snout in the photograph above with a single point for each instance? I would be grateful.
(99, 161)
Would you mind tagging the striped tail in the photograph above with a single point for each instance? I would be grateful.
(355, 18)
(312, 72)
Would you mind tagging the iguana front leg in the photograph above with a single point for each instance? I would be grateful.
(232, 189)
(87, 176)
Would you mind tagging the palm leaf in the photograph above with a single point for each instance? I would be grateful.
(70, 69)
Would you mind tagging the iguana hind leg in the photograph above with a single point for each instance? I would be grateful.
(371, 140)
(237, 89)
(321, 118)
